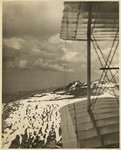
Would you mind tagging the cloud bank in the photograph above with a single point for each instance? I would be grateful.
(31, 39)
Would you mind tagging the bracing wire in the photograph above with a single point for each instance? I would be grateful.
(111, 74)
(105, 58)
(98, 58)
(106, 61)
(99, 81)
(109, 66)
(101, 51)
(106, 74)
(111, 57)
(109, 80)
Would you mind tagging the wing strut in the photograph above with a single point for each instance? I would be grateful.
(89, 58)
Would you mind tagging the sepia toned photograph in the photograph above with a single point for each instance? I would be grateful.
(60, 74)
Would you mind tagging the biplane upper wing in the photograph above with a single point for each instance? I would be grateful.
(104, 20)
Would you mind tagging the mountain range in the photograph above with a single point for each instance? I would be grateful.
(77, 88)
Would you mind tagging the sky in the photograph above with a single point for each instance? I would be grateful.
(34, 56)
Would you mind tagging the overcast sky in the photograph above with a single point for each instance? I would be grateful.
(34, 57)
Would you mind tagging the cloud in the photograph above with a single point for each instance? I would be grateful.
(45, 66)
(22, 64)
(9, 53)
(33, 54)
(55, 39)
(15, 43)
(51, 54)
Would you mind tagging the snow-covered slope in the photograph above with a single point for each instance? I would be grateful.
(35, 122)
